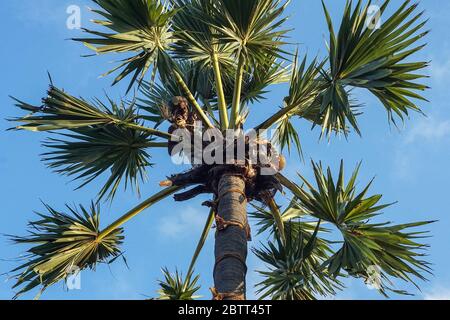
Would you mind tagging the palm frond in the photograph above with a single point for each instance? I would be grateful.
(253, 27)
(196, 39)
(63, 241)
(155, 102)
(155, 97)
(366, 244)
(309, 96)
(90, 152)
(334, 109)
(295, 220)
(175, 287)
(374, 59)
(200, 42)
(62, 111)
(258, 78)
(305, 88)
(286, 135)
(197, 43)
(292, 215)
(294, 272)
(142, 27)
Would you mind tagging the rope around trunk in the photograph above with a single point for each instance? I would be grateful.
(226, 296)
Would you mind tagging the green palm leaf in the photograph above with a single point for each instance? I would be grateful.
(305, 87)
(366, 244)
(90, 152)
(196, 39)
(62, 111)
(174, 287)
(252, 27)
(258, 78)
(140, 26)
(155, 96)
(62, 242)
(102, 138)
(294, 271)
(154, 101)
(295, 219)
(374, 59)
(286, 135)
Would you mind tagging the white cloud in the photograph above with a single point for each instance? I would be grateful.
(437, 293)
(429, 129)
(179, 225)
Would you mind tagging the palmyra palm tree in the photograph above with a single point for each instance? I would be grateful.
(202, 64)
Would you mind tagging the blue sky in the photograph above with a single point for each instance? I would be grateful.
(410, 164)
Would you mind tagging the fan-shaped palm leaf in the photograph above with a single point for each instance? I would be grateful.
(396, 252)
(142, 26)
(295, 273)
(90, 152)
(306, 100)
(292, 215)
(374, 58)
(62, 242)
(196, 38)
(174, 287)
(252, 26)
(257, 79)
(62, 111)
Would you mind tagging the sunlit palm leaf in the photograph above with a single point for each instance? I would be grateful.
(140, 26)
(292, 215)
(62, 242)
(174, 287)
(374, 58)
(308, 99)
(102, 138)
(62, 111)
(198, 79)
(366, 244)
(252, 26)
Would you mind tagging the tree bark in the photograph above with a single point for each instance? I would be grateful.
(231, 243)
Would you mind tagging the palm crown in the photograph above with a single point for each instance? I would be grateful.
(209, 62)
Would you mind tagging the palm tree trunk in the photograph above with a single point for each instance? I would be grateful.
(231, 242)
